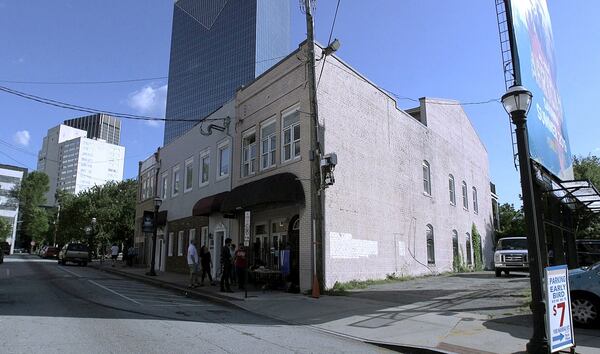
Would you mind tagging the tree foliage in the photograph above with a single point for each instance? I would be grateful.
(588, 168)
(477, 251)
(31, 198)
(113, 207)
(5, 229)
(512, 221)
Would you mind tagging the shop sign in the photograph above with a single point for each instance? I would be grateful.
(246, 229)
(559, 322)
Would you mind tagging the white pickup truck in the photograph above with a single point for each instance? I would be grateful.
(511, 254)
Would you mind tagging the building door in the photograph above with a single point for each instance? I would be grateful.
(216, 246)
(294, 245)
(160, 254)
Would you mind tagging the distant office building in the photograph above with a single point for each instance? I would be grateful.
(216, 47)
(74, 162)
(10, 177)
(85, 163)
(98, 126)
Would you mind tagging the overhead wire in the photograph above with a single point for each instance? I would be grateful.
(329, 41)
(74, 107)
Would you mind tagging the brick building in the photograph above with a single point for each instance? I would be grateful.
(409, 184)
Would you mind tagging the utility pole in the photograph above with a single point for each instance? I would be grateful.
(316, 148)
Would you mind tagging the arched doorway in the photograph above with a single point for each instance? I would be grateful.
(294, 244)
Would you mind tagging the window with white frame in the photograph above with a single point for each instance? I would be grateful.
(170, 244)
(204, 167)
(426, 178)
(291, 134)
(204, 236)
(189, 174)
(465, 195)
(475, 204)
(192, 236)
(180, 243)
(224, 157)
(455, 254)
(268, 141)
(165, 185)
(248, 153)
(451, 190)
(176, 181)
(430, 245)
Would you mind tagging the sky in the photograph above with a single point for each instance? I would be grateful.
(413, 48)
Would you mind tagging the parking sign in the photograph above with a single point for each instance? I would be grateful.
(559, 322)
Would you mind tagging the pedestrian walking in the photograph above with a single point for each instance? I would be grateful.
(131, 253)
(226, 265)
(240, 266)
(233, 278)
(193, 262)
(206, 263)
(114, 253)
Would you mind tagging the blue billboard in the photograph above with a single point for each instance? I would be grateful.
(534, 63)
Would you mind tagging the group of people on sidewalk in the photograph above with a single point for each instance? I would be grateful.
(199, 263)
(233, 265)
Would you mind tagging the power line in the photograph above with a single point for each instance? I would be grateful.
(119, 81)
(491, 100)
(329, 41)
(78, 108)
(10, 157)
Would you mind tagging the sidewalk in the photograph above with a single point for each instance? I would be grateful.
(437, 320)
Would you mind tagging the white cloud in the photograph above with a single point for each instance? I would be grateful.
(22, 137)
(149, 100)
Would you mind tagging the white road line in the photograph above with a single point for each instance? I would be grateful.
(70, 272)
(114, 292)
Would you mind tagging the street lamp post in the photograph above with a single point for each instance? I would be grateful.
(517, 101)
(157, 203)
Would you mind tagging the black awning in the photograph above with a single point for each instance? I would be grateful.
(280, 188)
(161, 218)
(209, 205)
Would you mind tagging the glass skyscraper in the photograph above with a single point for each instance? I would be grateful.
(100, 126)
(216, 47)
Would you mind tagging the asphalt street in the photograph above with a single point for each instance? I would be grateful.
(46, 307)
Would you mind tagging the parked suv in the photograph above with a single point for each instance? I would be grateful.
(74, 252)
(511, 254)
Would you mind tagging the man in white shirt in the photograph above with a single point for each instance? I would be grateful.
(114, 253)
(192, 259)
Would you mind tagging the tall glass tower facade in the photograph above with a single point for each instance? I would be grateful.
(216, 47)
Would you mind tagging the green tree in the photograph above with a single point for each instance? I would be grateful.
(113, 207)
(31, 198)
(477, 252)
(512, 221)
(588, 168)
(5, 229)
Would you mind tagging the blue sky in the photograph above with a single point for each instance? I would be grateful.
(432, 48)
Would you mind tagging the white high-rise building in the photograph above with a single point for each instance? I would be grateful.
(75, 163)
(10, 178)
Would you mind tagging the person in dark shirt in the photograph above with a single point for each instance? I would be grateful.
(226, 266)
(205, 262)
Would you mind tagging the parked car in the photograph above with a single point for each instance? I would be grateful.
(41, 251)
(511, 255)
(74, 252)
(5, 247)
(588, 252)
(584, 284)
(50, 252)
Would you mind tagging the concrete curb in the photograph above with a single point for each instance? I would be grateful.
(229, 301)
